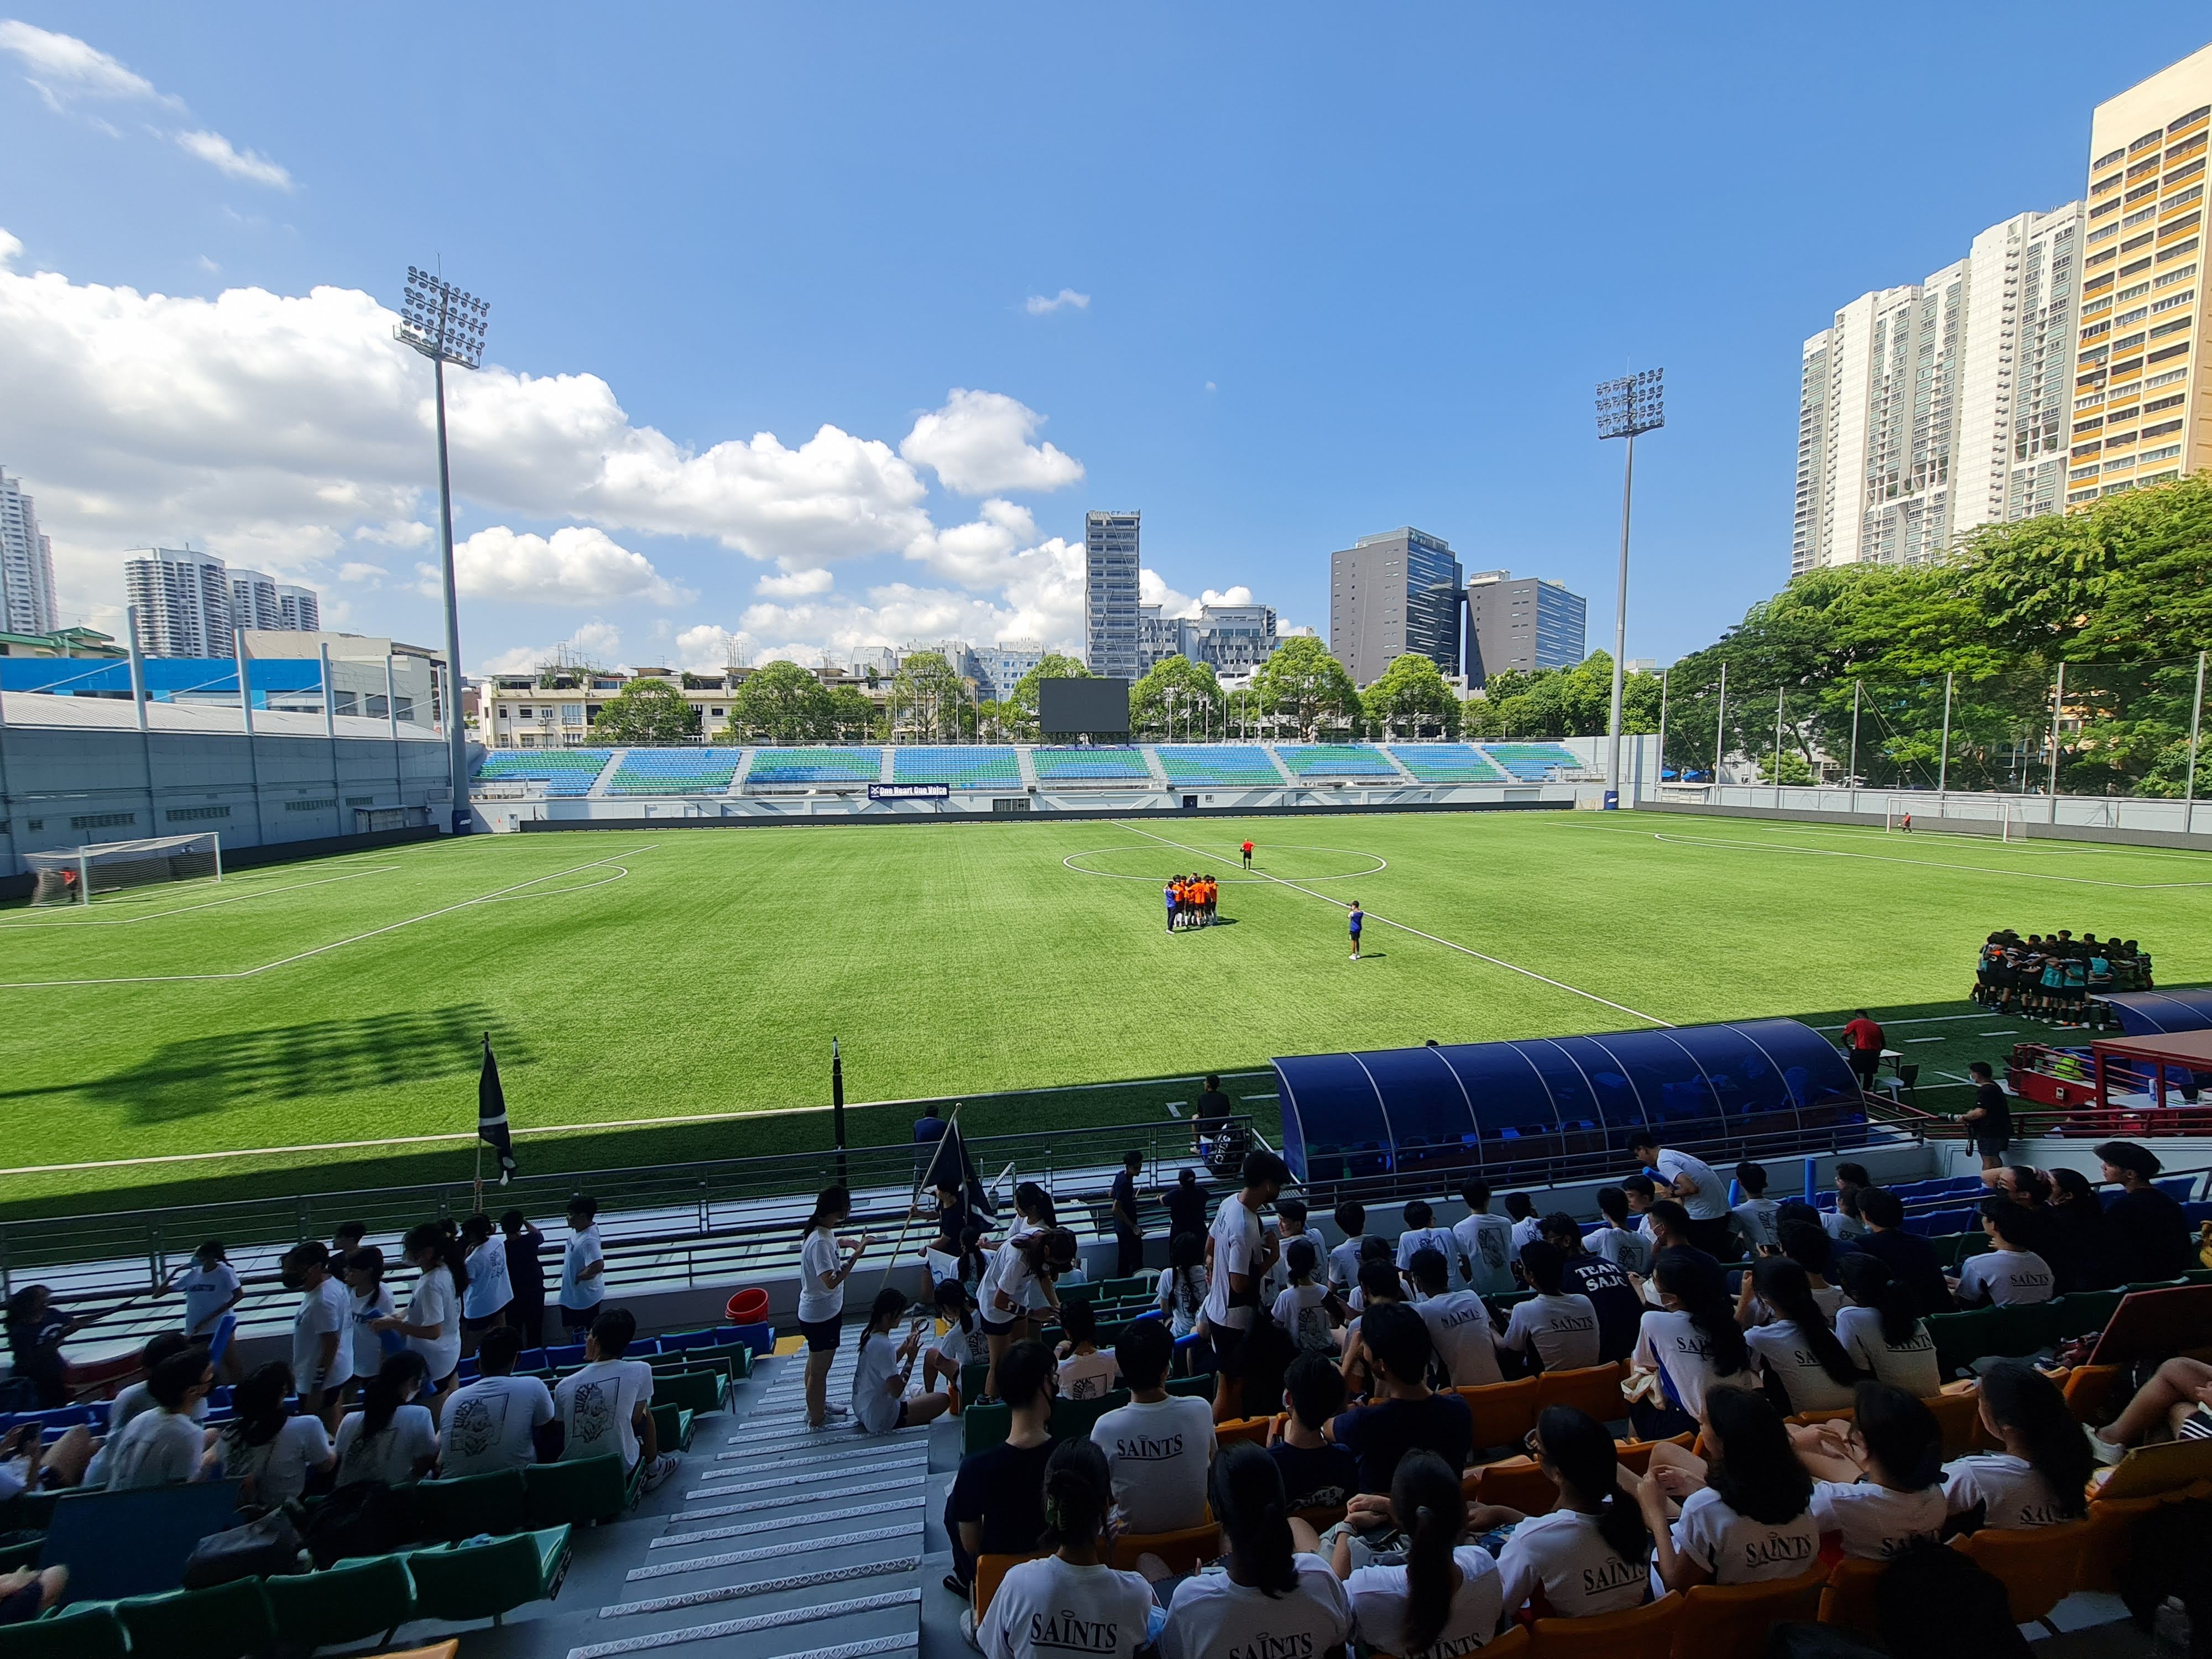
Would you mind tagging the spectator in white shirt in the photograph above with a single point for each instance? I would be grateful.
(1242, 1253)
(607, 1406)
(432, 1324)
(885, 1366)
(1422, 1234)
(1521, 1209)
(1843, 1223)
(322, 1329)
(1801, 1356)
(1485, 1241)
(1616, 1241)
(2010, 1272)
(1692, 1184)
(1023, 1279)
(1879, 1478)
(166, 1444)
(1590, 1553)
(1040, 1604)
(1183, 1283)
(1560, 1328)
(368, 1299)
(1084, 1372)
(1446, 1597)
(211, 1289)
(825, 1262)
(266, 1446)
(1880, 1327)
(1692, 1340)
(1459, 1326)
(391, 1438)
(583, 1268)
(1752, 1220)
(492, 1423)
(1290, 1225)
(2038, 1478)
(1351, 1218)
(1746, 1507)
(1305, 1308)
(490, 1293)
(1811, 1249)
(1159, 1445)
(962, 1345)
(1272, 1598)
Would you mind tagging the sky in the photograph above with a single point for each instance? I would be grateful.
(814, 328)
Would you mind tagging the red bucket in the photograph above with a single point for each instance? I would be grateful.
(748, 1307)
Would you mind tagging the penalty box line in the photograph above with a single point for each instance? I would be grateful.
(1448, 945)
(320, 949)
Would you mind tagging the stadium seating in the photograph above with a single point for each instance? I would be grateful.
(675, 771)
(1235, 766)
(815, 766)
(564, 772)
(1531, 763)
(1090, 766)
(1335, 760)
(1447, 762)
(977, 767)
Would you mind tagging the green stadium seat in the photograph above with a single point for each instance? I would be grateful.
(23, 1554)
(1963, 1338)
(353, 1601)
(231, 1621)
(470, 1505)
(28, 1511)
(2021, 1330)
(583, 1492)
(1073, 1419)
(972, 1378)
(459, 1582)
(733, 1359)
(983, 1427)
(2086, 1310)
(671, 1426)
(695, 1391)
(1197, 1388)
(88, 1630)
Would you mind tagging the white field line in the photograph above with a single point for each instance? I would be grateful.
(186, 909)
(320, 949)
(1928, 864)
(2047, 847)
(1495, 962)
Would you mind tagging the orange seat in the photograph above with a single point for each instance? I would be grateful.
(2038, 1566)
(989, 1569)
(1503, 1412)
(1647, 1629)
(1592, 1389)
(1832, 1415)
(1518, 1483)
(2087, 1388)
(1635, 1455)
(2110, 1523)
(448, 1649)
(1960, 1416)
(1731, 1621)
(1849, 1598)
(1184, 1551)
(1253, 1429)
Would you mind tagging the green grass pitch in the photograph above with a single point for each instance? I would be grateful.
(641, 976)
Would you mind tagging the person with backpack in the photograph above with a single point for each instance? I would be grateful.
(273, 1450)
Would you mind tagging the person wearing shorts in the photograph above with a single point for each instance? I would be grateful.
(1357, 919)
(1246, 850)
(825, 1262)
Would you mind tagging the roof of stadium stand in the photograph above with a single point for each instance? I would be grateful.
(2147, 1013)
(114, 714)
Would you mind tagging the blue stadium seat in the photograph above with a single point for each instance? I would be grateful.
(1117, 765)
(1531, 763)
(977, 767)
(675, 771)
(1334, 760)
(816, 766)
(564, 772)
(1191, 766)
(1447, 762)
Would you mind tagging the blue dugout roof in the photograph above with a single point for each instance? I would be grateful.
(2156, 1013)
(1465, 1106)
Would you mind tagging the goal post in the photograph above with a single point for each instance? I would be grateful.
(1897, 813)
(2011, 826)
(75, 875)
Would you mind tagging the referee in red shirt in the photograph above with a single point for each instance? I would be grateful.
(1864, 1040)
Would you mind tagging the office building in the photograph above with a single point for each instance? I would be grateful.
(2142, 413)
(1234, 638)
(184, 602)
(1109, 593)
(1393, 594)
(998, 668)
(1928, 410)
(1527, 624)
(27, 565)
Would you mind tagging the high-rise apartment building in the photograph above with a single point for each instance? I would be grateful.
(1928, 410)
(253, 601)
(27, 565)
(184, 602)
(1393, 594)
(2142, 413)
(303, 612)
(1110, 594)
(1531, 623)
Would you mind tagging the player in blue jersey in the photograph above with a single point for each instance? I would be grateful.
(1357, 919)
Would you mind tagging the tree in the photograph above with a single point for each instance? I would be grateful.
(928, 700)
(852, 715)
(1018, 715)
(782, 702)
(648, 710)
(1302, 684)
(1410, 699)
(1562, 702)
(1177, 697)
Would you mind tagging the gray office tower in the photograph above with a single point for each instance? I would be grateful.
(1391, 594)
(1109, 593)
(1529, 624)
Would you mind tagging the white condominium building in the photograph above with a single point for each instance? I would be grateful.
(27, 565)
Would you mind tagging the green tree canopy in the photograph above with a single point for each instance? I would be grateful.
(1303, 688)
(928, 700)
(781, 703)
(1517, 704)
(646, 711)
(1176, 698)
(1410, 699)
(1018, 713)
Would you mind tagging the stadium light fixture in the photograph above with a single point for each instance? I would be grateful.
(1631, 404)
(447, 327)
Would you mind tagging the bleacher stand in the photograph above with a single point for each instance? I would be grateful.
(675, 771)
(1447, 762)
(1194, 766)
(1334, 760)
(816, 766)
(978, 767)
(1102, 765)
(566, 773)
(1532, 763)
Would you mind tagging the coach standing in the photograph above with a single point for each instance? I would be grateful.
(1863, 1041)
(1128, 1233)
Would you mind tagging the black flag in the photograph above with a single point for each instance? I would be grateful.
(491, 1114)
(950, 1165)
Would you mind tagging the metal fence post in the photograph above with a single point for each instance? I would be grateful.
(1943, 760)
(2196, 723)
(2057, 702)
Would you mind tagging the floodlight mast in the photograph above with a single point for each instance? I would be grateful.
(447, 327)
(1633, 404)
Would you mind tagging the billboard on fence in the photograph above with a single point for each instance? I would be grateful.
(910, 792)
(1095, 707)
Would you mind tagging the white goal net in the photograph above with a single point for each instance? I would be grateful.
(77, 875)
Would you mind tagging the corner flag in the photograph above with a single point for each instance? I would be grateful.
(491, 1114)
(950, 1165)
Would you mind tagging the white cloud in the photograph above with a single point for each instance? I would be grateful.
(1239, 594)
(1038, 306)
(210, 266)
(220, 153)
(595, 641)
(61, 67)
(979, 443)
(795, 585)
(706, 648)
(369, 575)
(576, 565)
(399, 533)
(1153, 590)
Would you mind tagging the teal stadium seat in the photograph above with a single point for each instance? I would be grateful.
(1115, 765)
(89, 1630)
(355, 1600)
(564, 772)
(816, 766)
(1531, 763)
(1334, 760)
(1447, 762)
(977, 767)
(491, 1579)
(227, 1622)
(675, 771)
(1218, 765)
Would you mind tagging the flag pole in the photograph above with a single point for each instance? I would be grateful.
(913, 1199)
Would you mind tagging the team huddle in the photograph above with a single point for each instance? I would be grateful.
(1190, 901)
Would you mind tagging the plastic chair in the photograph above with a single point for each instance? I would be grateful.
(1849, 1598)
(989, 1569)
(1185, 1550)
(1253, 1429)
(1503, 1412)
(1960, 1416)
(1648, 1629)
(1731, 1621)
(1518, 1483)
(351, 1601)
(469, 1505)
(2087, 1388)
(92, 1632)
(1635, 1456)
(219, 1622)
(2110, 1527)
(2038, 1566)
(1592, 1389)
(580, 1491)
(460, 1581)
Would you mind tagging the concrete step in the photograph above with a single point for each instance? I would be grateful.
(892, 1535)
(817, 1481)
(880, 1621)
(684, 1539)
(750, 1504)
(793, 1592)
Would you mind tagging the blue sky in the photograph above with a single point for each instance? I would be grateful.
(1339, 274)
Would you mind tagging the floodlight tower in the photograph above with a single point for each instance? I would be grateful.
(447, 327)
(1633, 404)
